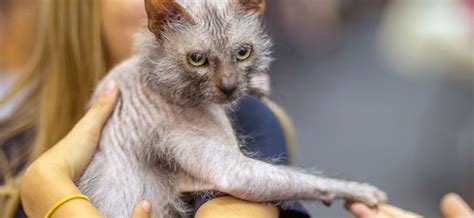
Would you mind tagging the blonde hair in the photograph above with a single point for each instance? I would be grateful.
(68, 61)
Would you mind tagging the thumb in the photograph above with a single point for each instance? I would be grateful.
(80, 144)
(90, 126)
(142, 210)
(453, 206)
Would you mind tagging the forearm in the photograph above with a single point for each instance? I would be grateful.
(230, 207)
(38, 196)
(76, 207)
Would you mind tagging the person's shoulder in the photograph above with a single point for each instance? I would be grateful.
(253, 118)
(254, 108)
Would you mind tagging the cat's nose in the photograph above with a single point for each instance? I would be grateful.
(228, 89)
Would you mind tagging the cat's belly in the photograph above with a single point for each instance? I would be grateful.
(134, 149)
(114, 189)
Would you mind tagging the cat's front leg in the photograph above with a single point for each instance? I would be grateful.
(220, 163)
(352, 191)
(188, 183)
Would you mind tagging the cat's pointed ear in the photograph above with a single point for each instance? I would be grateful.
(160, 12)
(255, 5)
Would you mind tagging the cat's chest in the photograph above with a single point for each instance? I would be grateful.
(211, 118)
(144, 112)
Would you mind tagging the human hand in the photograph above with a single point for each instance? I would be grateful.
(382, 211)
(453, 206)
(51, 177)
(229, 206)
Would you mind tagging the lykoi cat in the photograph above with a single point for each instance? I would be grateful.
(170, 133)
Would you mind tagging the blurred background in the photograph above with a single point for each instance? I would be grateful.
(379, 91)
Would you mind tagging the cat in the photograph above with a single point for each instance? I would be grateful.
(170, 133)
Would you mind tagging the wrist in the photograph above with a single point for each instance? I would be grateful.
(42, 187)
(74, 207)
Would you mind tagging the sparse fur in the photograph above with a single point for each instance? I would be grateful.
(170, 134)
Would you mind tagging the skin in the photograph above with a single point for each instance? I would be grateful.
(219, 206)
(18, 21)
(121, 19)
(452, 206)
(382, 211)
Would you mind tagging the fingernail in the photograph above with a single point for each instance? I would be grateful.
(146, 206)
(110, 88)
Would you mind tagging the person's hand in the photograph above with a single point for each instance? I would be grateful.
(51, 177)
(229, 206)
(453, 206)
(382, 211)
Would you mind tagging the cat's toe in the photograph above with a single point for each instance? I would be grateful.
(382, 196)
(327, 198)
(369, 200)
(327, 203)
(369, 195)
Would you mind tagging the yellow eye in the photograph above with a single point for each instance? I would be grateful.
(197, 59)
(244, 53)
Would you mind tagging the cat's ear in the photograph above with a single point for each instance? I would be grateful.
(160, 12)
(255, 5)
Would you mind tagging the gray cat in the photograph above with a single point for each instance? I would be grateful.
(170, 134)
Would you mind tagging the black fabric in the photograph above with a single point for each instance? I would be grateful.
(15, 146)
(16, 151)
(20, 213)
(263, 136)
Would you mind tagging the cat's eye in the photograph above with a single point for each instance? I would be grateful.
(197, 59)
(244, 52)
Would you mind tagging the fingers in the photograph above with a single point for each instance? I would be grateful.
(90, 126)
(78, 147)
(362, 211)
(393, 211)
(142, 210)
(453, 206)
(382, 211)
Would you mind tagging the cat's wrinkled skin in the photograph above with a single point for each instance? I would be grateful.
(170, 134)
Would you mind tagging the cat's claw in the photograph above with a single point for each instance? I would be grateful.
(327, 203)
(354, 192)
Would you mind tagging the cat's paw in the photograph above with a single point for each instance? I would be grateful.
(365, 193)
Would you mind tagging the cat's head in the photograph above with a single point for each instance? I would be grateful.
(206, 50)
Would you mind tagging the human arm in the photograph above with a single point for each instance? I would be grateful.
(51, 177)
